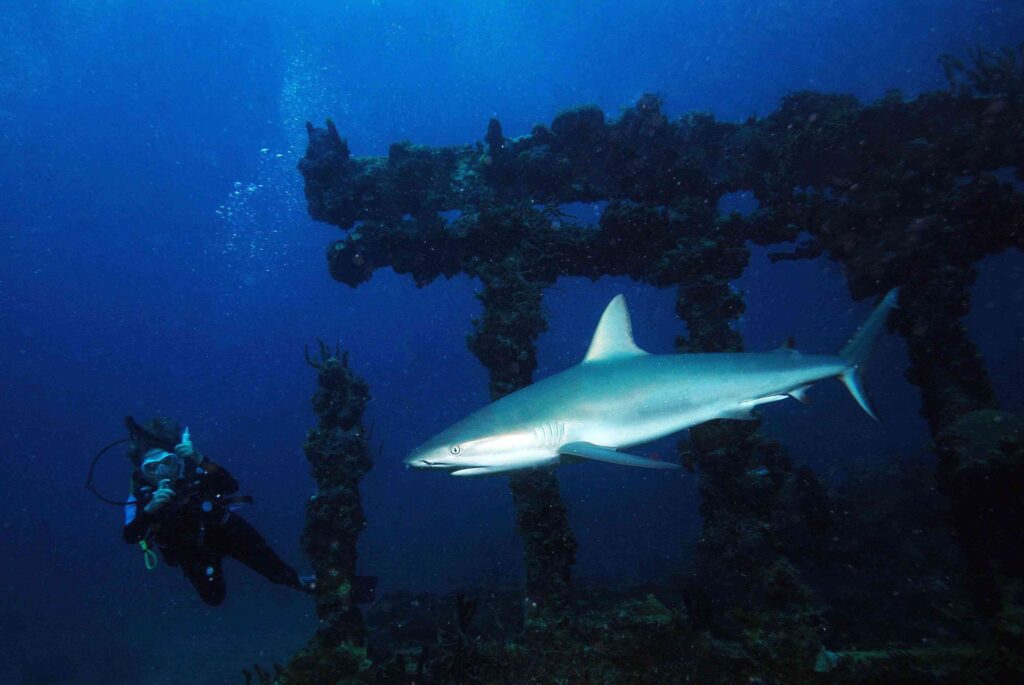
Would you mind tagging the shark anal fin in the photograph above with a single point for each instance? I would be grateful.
(800, 393)
(586, 450)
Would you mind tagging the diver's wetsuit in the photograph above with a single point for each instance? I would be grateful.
(197, 529)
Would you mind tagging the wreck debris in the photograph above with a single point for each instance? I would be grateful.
(909, 193)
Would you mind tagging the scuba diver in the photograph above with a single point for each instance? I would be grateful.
(182, 502)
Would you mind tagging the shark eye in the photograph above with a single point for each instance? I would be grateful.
(455, 449)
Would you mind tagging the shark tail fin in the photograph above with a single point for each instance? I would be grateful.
(858, 350)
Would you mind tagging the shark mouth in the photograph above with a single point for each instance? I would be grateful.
(427, 464)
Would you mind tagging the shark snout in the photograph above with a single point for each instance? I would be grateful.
(418, 459)
(415, 462)
(433, 454)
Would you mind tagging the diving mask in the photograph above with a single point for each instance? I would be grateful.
(158, 465)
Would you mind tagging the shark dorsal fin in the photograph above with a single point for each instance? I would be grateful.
(614, 335)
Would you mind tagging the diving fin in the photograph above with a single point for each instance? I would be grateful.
(586, 450)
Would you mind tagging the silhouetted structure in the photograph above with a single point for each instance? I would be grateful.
(339, 456)
(901, 193)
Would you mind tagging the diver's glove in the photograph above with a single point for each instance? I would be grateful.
(161, 497)
(185, 449)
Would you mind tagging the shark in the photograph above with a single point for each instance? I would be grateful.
(620, 397)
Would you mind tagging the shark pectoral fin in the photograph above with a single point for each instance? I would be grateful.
(586, 450)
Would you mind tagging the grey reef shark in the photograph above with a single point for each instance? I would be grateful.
(620, 396)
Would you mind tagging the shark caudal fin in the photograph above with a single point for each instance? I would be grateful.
(858, 350)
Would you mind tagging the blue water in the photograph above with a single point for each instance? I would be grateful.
(155, 256)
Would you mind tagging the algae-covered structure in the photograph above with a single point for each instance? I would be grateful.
(900, 192)
(337, 449)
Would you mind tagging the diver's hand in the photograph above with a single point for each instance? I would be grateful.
(185, 449)
(161, 497)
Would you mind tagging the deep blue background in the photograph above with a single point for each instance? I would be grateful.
(155, 256)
